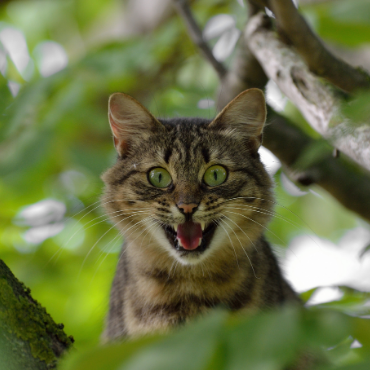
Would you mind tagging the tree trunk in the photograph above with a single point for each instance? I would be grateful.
(29, 338)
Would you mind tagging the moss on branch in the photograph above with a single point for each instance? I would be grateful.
(28, 334)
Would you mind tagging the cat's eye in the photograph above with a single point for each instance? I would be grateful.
(159, 177)
(215, 175)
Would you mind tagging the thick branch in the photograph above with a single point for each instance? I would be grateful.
(315, 100)
(29, 338)
(338, 176)
(311, 49)
(196, 35)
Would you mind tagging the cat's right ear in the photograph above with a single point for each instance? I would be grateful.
(129, 121)
(244, 116)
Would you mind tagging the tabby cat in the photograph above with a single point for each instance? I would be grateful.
(192, 199)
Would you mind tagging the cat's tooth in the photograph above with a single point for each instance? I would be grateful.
(179, 241)
(200, 242)
(175, 226)
(203, 225)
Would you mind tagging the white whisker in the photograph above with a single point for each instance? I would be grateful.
(250, 262)
(232, 244)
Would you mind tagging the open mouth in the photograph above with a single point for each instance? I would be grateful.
(190, 237)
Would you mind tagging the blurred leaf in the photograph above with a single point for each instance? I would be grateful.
(361, 331)
(341, 21)
(269, 340)
(326, 327)
(362, 366)
(353, 302)
(305, 296)
(109, 357)
(158, 352)
(358, 108)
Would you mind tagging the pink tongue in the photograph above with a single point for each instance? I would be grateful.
(189, 234)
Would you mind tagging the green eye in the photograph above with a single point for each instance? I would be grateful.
(159, 177)
(215, 175)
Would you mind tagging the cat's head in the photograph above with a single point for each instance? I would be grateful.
(189, 187)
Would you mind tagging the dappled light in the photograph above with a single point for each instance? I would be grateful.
(51, 58)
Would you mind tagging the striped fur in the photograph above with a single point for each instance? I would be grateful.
(155, 287)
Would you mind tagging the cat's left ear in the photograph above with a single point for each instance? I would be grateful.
(244, 116)
(130, 121)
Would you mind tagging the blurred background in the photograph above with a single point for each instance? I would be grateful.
(59, 62)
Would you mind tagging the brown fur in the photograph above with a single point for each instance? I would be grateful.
(155, 287)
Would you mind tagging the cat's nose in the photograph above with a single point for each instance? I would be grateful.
(187, 208)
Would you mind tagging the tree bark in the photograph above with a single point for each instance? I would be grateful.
(317, 101)
(312, 50)
(341, 178)
(29, 338)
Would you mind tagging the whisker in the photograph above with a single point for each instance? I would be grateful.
(146, 228)
(279, 205)
(232, 244)
(274, 214)
(111, 249)
(255, 248)
(98, 201)
(120, 213)
(169, 272)
(250, 262)
(154, 220)
(91, 249)
(251, 219)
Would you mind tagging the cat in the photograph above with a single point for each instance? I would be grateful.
(192, 199)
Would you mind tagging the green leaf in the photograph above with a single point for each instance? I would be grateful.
(266, 341)
(358, 108)
(342, 21)
(190, 348)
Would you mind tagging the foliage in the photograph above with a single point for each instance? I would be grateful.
(271, 340)
(55, 142)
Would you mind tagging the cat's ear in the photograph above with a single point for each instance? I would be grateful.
(244, 116)
(129, 121)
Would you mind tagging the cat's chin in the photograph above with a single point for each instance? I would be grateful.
(190, 256)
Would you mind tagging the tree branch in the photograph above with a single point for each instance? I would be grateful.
(316, 101)
(338, 176)
(29, 338)
(319, 60)
(196, 36)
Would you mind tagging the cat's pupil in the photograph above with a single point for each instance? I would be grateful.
(215, 175)
(160, 177)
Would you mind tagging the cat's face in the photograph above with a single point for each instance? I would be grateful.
(189, 187)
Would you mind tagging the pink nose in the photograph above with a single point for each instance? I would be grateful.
(187, 208)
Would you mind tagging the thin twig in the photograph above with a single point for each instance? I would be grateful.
(195, 33)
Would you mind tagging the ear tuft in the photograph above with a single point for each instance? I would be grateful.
(129, 120)
(245, 116)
